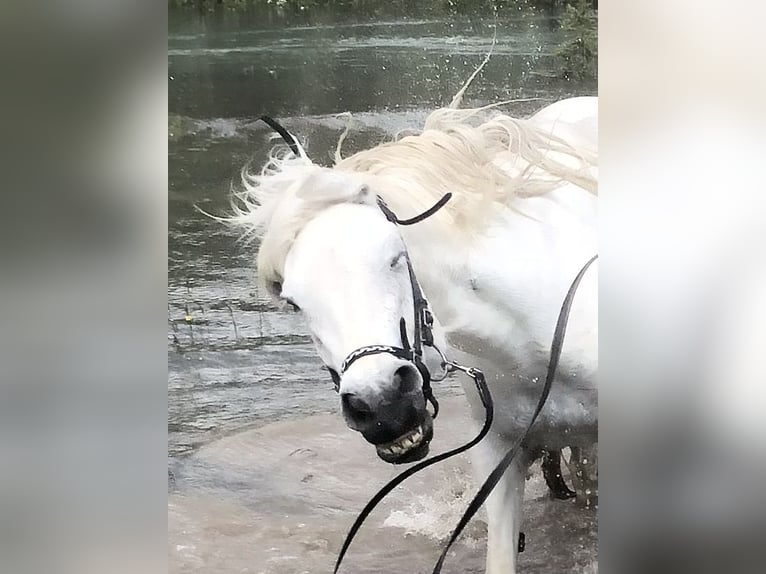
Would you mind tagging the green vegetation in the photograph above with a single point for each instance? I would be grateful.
(447, 6)
(580, 54)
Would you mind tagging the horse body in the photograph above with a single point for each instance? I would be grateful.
(497, 303)
(497, 294)
(498, 313)
(497, 299)
(495, 266)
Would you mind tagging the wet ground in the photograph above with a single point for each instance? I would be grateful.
(279, 499)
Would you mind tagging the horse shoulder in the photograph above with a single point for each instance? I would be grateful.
(516, 278)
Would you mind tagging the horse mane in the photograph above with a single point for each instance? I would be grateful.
(482, 161)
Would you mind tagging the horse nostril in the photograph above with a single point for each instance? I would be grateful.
(405, 379)
(356, 409)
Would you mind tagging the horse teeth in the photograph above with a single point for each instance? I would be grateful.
(405, 443)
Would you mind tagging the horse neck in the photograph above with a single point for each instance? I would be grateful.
(504, 283)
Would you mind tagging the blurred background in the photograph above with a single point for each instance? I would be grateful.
(87, 326)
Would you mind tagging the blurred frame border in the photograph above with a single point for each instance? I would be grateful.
(682, 287)
(83, 407)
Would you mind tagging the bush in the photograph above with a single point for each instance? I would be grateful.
(580, 54)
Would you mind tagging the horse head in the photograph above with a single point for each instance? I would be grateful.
(331, 252)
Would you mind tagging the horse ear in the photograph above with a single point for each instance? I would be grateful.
(328, 186)
(324, 185)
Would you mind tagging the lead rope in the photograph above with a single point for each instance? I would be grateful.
(486, 399)
(497, 473)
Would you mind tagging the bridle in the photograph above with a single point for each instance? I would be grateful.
(423, 336)
(423, 320)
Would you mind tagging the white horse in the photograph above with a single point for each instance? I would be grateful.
(495, 264)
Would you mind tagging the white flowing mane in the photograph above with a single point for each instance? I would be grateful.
(482, 163)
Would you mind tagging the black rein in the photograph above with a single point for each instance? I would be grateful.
(497, 473)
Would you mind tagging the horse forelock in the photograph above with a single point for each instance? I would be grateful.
(275, 204)
(482, 163)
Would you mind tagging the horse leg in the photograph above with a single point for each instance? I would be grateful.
(551, 465)
(503, 505)
(583, 466)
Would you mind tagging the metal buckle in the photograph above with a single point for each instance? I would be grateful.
(427, 320)
(445, 365)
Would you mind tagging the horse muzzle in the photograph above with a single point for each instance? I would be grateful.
(391, 414)
(400, 428)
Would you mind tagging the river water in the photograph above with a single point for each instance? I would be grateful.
(251, 414)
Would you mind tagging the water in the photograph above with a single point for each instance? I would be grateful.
(279, 500)
(238, 363)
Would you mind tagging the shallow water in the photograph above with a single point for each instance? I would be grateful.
(244, 382)
(279, 500)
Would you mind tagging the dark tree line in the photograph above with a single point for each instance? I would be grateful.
(578, 18)
(447, 6)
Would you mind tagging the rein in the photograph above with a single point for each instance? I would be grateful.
(423, 335)
(486, 399)
(497, 473)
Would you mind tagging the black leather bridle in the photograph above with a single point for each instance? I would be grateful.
(423, 320)
(423, 336)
